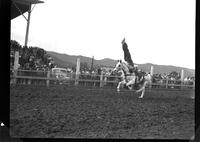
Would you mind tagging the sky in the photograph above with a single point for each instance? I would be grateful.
(157, 31)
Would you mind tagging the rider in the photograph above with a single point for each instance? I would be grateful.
(130, 64)
(127, 56)
(139, 74)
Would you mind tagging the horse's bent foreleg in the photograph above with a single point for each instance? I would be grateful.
(130, 87)
(130, 82)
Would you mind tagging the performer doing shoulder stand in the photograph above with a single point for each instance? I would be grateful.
(127, 58)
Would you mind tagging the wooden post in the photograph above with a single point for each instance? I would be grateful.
(152, 69)
(16, 65)
(101, 79)
(77, 71)
(151, 72)
(16, 60)
(182, 78)
(167, 82)
(48, 76)
(193, 84)
(27, 27)
(14, 77)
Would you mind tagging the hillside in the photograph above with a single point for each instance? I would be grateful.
(70, 60)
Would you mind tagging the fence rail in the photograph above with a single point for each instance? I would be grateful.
(47, 78)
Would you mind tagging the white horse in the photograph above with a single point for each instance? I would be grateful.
(130, 78)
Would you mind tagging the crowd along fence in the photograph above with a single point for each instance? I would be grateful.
(79, 79)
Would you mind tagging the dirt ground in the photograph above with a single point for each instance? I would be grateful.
(70, 112)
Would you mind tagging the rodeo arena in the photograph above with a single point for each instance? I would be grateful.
(122, 101)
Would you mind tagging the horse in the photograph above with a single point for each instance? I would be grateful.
(131, 79)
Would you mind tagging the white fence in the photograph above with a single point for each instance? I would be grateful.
(47, 78)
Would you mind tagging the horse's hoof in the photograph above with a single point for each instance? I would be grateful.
(118, 90)
(140, 97)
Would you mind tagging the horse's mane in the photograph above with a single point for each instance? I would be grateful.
(126, 69)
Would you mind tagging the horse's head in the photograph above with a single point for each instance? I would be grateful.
(118, 66)
(121, 66)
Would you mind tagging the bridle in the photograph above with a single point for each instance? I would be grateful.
(123, 69)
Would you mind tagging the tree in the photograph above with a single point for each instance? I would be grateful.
(15, 46)
(31, 55)
(40, 53)
(84, 66)
(45, 59)
(25, 56)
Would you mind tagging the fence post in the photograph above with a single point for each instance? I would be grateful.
(16, 60)
(151, 72)
(14, 76)
(193, 84)
(167, 82)
(48, 76)
(77, 71)
(182, 78)
(101, 79)
(16, 66)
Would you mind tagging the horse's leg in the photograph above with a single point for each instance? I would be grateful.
(130, 82)
(119, 84)
(130, 87)
(142, 95)
(142, 89)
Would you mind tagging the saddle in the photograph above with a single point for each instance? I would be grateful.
(139, 77)
(131, 68)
